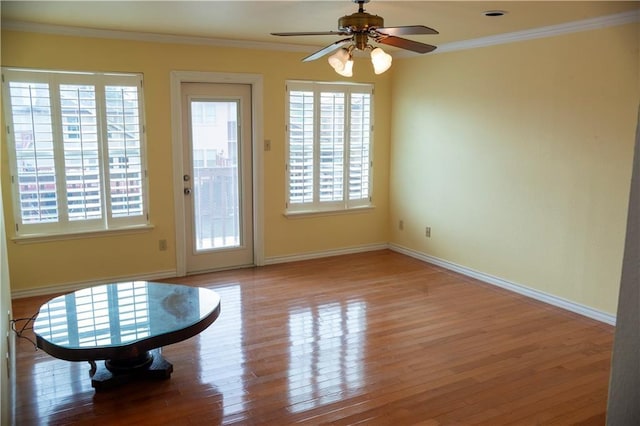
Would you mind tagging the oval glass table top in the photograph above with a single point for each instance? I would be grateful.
(122, 320)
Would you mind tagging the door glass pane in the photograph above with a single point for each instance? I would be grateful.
(215, 186)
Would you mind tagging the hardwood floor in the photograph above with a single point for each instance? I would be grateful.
(374, 339)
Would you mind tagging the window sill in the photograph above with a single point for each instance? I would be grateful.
(311, 213)
(41, 238)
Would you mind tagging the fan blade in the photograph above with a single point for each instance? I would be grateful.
(404, 43)
(311, 33)
(330, 48)
(406, 30)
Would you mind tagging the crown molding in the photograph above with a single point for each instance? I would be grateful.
(542, 32)
(150, 37)
(535, 33)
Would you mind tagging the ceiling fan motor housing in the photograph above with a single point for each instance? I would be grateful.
(360, 22)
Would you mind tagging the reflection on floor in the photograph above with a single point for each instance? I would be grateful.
(374, 338)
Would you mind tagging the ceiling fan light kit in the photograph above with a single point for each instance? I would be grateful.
(360, 27)
(339, 59)
(347, 71)
(342, 61)
(381, 60)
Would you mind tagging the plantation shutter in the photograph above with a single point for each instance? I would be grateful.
(124, 141)
(332, 141)
(359, 144)
(37, 197)
(301, 150)
(329, 146)
(76, 149)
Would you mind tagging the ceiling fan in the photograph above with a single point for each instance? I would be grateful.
(360, 28)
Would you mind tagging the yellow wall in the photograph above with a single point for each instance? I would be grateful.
(519, 158)
(44, 264)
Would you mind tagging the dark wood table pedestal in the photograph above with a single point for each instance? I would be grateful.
(108, 374)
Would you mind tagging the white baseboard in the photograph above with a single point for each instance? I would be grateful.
(511, 286)
(481, 276)
(320, 254)
(70, 287)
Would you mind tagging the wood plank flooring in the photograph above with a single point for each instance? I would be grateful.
(367, 339)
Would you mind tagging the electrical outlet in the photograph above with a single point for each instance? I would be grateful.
(401, 224)
(162, 245)
(427, 232)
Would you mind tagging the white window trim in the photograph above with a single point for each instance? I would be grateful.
(48, 237)
(324, 207)
(35, 232)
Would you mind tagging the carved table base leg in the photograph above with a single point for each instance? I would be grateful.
(113, 373)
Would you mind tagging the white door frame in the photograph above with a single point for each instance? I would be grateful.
(255, 80)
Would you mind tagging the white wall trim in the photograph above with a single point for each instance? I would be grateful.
(541, 32)
(481, 276)
(170, 273)
(150, 37)
(327, 253)
(511, 286)
(257, 89)
(70, 287)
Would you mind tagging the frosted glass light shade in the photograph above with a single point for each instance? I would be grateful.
(339, 59)
(381, 60)
(348, 69)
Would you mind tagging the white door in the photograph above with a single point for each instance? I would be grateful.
(217, 181)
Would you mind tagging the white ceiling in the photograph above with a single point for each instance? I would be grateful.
(252, 21)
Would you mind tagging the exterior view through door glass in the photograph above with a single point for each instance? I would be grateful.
(217, 180)
(214, 152)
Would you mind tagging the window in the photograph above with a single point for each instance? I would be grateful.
(329, 137)
(76, 149)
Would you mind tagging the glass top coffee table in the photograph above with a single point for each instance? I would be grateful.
(124, 324)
